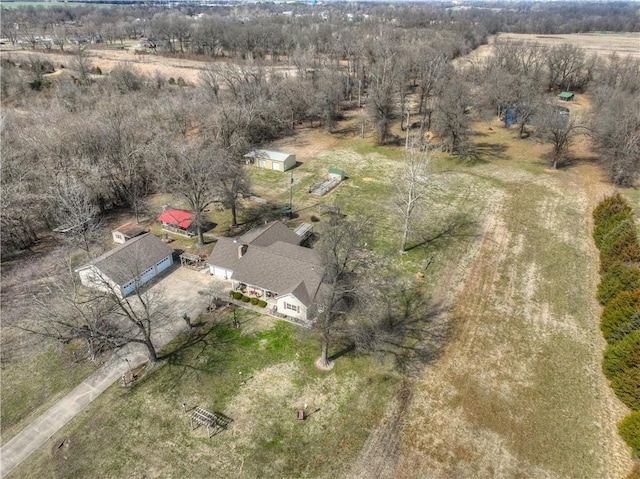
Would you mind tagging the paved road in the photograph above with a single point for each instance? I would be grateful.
(179, 289)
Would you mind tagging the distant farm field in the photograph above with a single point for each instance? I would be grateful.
(51, 4)
(601, 43)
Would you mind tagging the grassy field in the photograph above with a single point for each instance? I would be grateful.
(259, 377)
(30, 387)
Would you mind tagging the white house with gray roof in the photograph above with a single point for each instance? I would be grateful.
(271, 160)
(269, 263)
(127, 267)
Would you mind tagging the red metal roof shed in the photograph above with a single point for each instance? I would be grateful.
(180, 218)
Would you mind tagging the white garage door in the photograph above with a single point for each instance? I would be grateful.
(129, 287)
(147, 275)
(164, 264)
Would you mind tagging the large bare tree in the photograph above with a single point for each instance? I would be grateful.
(342, 246)
(66, 310)
(192, 171)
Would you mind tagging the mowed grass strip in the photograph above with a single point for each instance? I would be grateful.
(529, 369)
(259, 379)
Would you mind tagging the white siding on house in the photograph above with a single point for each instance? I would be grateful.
(290, 306)
(220, 272)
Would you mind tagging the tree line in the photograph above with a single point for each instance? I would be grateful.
(93, 142)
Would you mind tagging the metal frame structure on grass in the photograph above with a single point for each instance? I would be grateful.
(212, 420)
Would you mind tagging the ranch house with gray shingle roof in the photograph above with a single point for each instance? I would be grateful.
(127, 267)
(269, 263)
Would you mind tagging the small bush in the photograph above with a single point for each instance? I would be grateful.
(611, 206)
(262, 303)
(172, 81)
(617, 279)
(621, 316)
(629, 429)
(254, 301)
(237, 295)
(181, 82)
(245, 299)
(620, 366)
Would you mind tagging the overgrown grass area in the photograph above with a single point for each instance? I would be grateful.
(259, 379)
(30, 385)
(525, 375)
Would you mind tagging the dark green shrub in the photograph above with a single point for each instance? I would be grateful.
(629, 429)
(254, 301)
(245, 299)
(262, 303)
(237, 295)
(606, 230)
(621, 316)
(617, 279)
(172, 81)
(620, 366)
(610, 206)
(620, 245)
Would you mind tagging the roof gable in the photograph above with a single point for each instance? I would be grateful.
(130, 259)
(270, 233)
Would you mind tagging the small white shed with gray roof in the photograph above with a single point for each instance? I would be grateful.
(128, 266)
(271, 160)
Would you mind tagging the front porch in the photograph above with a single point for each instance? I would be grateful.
(254, 292)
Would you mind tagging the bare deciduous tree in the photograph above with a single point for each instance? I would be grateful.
(75, 213)
(101, 316)
(342, 246)
(193, 172)
(412, 185)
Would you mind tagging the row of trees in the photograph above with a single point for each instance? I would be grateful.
(111, 134)
(264, 28)
(616, 237)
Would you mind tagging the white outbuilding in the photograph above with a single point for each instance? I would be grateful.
(271, 160)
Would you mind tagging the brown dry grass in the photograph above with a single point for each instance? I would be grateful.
(600, 43)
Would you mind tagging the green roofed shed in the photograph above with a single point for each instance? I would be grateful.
(566, 95)
(337, 172)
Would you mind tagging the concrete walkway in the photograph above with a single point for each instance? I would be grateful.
(180, 294)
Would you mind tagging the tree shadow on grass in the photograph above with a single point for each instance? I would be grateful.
(205, 350)
(484, 152)
(455, 226)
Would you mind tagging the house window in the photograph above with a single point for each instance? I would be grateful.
(292, 307)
